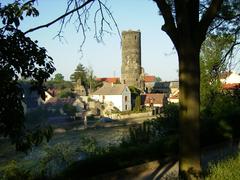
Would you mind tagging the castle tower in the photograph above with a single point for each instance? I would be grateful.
(131, 71)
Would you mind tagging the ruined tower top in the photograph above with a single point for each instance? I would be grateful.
(131, 71)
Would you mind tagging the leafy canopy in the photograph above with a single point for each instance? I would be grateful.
(20, 57)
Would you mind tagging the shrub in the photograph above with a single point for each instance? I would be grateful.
(14, 171)
(56, 158)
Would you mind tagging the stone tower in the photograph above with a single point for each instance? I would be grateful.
(131, 71)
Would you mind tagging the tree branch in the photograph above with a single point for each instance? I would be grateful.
(209, 15)
(169, 26)
(59, 18)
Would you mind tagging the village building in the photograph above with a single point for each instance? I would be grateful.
(231, 82)
(118, 95)
(149, 82)
(155, 101)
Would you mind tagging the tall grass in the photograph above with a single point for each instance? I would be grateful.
(227, 169)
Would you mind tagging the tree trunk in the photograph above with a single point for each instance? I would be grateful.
(189, 125)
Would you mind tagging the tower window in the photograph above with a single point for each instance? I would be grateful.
(135, 37)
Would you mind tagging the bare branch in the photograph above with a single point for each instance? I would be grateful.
(60, 17)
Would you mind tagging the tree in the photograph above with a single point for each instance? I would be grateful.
(93, 84)
(212, 66)
(158, 79)
(20, 57)
(79, 74)
(187, 23)
(58, 77)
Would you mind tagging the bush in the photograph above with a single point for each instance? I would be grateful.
(56, 158)
(220, 119)
(226, 169)
(13, 171)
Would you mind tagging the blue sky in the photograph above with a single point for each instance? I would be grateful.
(158, 57)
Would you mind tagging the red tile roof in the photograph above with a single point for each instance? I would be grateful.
(234, 86)
(109, 80)
(149, 78)
(156, 98)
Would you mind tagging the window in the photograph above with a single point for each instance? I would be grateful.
(126, 107)
(126, 98)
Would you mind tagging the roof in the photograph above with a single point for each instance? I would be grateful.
(149, 78)
(60, 101)
(109, 80)
(155, 98)
(108, 89)
(234, 86)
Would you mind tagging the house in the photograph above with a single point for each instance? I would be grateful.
(174, 98)
(174, 92)
(149, 82)
(155, 101)
(231, 82)
(118, 95)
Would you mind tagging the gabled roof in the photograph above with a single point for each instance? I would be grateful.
(149, 78)
(154, 98)
(110, 89)
(109, 80)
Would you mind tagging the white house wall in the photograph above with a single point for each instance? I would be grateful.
(232, 79)
(127, 103)
(115, 99)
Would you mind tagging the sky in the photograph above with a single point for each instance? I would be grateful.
(158, 56)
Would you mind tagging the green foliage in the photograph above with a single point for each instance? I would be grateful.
(153, 130)
(86, 76)
(56, 158)
(19, 57)
(90, 147)
(66, 93)
(137, 106)
(226, 169)
(58, 77)
(220, 119)
(219, 110)
(13, 171)
(79, 74)
(212, 65)
(158, 79)
(134, 91)
(69, 109)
